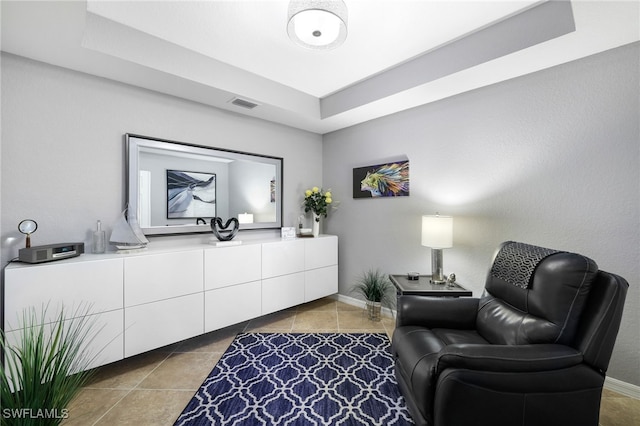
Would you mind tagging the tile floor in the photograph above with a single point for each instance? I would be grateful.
(154, 387)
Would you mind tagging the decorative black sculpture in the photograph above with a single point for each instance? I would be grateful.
(221, 231)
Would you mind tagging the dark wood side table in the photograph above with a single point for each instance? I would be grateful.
(423, 287)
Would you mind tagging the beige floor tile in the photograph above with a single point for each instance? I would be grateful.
(128, 373)
(341, 306)
(147, 407)
(619, 410)
(608, 393)
(91, 404)
(358, 320)
(181, 371)
(389, 322)
(389, 326)
(315, 320)
(325, 304)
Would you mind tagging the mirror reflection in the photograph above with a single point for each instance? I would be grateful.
(174, 187)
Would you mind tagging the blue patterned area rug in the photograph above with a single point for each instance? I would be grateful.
(301, 379)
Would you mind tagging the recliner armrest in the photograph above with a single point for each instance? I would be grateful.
(508, 358)
(437, 312)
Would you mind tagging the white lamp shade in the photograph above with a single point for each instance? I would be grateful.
(245, 218)
(437, 231)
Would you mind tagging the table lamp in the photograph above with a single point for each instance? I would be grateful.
(437, 233)
(245, 217)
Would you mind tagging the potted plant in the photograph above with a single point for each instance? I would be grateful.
(45, 366)
(376, 288)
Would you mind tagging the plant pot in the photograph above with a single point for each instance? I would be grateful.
(373, 310)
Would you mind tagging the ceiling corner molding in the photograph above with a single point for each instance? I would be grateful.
(108, 37)
(533, 26)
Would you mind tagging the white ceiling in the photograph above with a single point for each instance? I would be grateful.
(398, 53)
(251, 35)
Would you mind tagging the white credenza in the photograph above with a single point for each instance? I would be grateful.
(77, 286)
(157, 297)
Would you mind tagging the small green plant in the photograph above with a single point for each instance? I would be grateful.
(375, 287)
(46, 366)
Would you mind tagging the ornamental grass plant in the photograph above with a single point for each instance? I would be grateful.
(45, 366)
(376, 289)
(375, 286)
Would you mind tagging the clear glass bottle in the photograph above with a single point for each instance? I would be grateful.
(99, 240)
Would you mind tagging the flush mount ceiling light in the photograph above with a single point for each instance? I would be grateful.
(317, 24)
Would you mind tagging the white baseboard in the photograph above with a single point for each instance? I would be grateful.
(621, 387)
(360, 303)
(615, 385)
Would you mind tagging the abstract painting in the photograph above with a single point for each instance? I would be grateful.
(190, 194)
(272, 190)
(381, 180)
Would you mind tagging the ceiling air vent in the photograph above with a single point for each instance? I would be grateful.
(243, 103)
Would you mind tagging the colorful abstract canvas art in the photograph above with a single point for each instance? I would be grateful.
(381, 180)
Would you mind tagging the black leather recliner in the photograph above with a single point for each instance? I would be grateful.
(533, 350)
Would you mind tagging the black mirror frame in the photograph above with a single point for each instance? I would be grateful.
(133, 144)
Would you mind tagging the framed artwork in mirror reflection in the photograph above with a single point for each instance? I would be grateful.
(190, 194)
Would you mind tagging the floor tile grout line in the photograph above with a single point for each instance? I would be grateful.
(113, 406)
(133, 388)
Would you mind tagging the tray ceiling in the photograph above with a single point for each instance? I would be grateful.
(398, 54)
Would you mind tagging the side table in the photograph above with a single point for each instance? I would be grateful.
(424, 287)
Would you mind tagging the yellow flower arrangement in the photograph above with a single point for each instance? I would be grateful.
(317, 201)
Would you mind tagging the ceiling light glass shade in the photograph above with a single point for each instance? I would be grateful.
(317, 24)
(437, 231)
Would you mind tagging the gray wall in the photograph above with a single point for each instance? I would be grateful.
(551, 158)
(63, 149)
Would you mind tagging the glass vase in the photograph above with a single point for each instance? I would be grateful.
(316, 225)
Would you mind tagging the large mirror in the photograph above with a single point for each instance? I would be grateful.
(175, 187)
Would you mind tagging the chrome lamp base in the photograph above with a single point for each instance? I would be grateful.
(437, 274)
